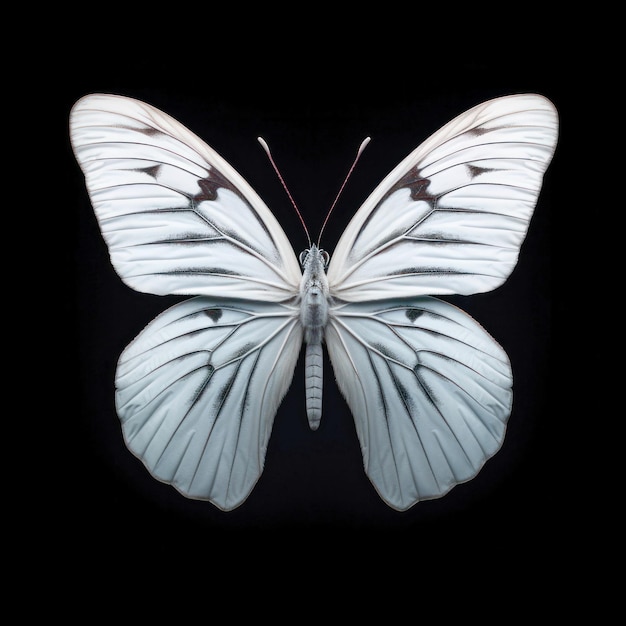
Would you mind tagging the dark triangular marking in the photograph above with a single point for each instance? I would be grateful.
(151, 170)
(474, 170)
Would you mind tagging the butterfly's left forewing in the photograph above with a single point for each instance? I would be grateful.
(177, 218)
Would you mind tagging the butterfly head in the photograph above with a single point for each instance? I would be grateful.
(314, 284)
(314, 257)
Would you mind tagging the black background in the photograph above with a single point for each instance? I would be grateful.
(314, 113)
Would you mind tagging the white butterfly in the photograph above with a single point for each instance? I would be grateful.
(429, 389)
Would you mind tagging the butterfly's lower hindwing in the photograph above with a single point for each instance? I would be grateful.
(198, 389)
(429, 389)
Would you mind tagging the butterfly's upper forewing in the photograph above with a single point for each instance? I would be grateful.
(451, 217)
(177, 218)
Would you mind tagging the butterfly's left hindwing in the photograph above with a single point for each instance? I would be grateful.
(198, 389)
(429, 389)
(177, 218)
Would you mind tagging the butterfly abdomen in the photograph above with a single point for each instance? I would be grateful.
(313, 376)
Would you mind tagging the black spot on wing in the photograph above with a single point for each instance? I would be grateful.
(208, 190)
(149, 131)
(478, 131)
(210, 185)
(416, 184)
(475, 170)
(214, 314)
(201, 270)
(413, 314)
(151, 170)
(423, 270)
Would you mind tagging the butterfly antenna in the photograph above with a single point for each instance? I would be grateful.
(295, 206)
(358, 154)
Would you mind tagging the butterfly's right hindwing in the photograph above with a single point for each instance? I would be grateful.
(429, 389)
(198, 389)
(177, 218)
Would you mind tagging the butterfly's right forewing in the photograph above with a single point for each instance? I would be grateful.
(451, 217)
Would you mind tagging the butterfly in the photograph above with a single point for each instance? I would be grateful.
(198, 389)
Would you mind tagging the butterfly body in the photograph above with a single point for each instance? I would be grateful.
(314, 312)
(197, 390)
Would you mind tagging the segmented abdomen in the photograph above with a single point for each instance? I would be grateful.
(313, 381)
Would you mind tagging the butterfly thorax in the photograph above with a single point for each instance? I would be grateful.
(314, 294)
